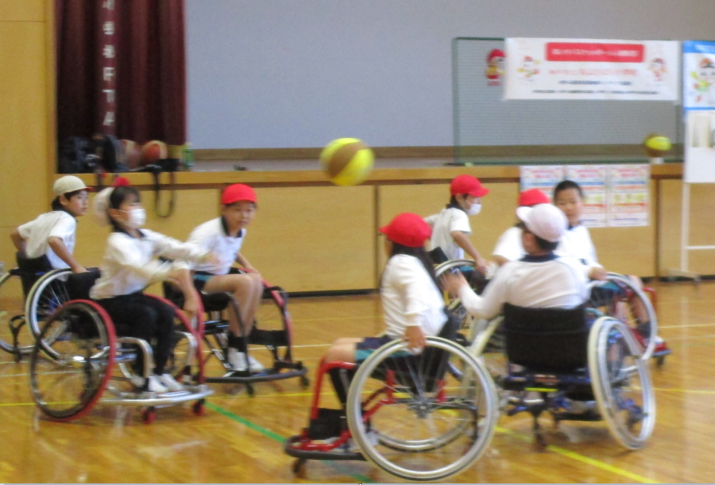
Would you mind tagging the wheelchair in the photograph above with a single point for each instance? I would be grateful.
(73, 365)
(594, 374)
(15, 289)
(409, 415)
(275, 335)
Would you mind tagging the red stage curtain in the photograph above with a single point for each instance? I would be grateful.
(151, 69)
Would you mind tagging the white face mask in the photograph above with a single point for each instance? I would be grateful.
(137, 218)
(474, 209)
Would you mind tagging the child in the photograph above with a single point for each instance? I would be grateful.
(224, 236)
(450, 228)
(129, 265)
(52, 235)
(411, 299)
(508, 247)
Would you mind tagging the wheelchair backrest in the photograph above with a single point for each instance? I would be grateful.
(31, 269)
(548, 339)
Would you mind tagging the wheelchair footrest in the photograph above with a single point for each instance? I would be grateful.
(589, 415)
(329, 423)
(272, 338)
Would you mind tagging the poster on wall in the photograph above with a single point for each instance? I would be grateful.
(592, 179)
(628, 195)
(698, 75)
(592, 69)
(542, 177)
(699, 150)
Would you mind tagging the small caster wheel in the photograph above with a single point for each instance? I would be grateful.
(198, 408)
(304, 382)
(299, 467)
(249, 389)
(148, 415)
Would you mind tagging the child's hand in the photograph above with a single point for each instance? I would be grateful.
(191, 305)
(79, 269)
(482, 265)
(452, 282)
(415, 339)
(597, 273)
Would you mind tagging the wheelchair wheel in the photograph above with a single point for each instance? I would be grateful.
(12, 317)
(47, 295)
(69, 379)
(414, 419)
(489, 346)
(619, 298)
(621, 382)
(454, 304)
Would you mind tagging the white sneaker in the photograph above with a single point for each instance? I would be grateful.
(254, 365)
(170, 383)
(237, 360)
(137, 381)
(155, 385)
(372, 438)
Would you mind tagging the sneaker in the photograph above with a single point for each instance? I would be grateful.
(371, 437)
(170, 383)
(155, 385)
(137, 381)
(237, 360)
(254, 365)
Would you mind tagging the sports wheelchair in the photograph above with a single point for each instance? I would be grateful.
(276, 334)
(15, 292)
(72, 364)
(578, 374)
(421, 417)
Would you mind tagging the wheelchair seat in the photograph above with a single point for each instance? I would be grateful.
(546, 340)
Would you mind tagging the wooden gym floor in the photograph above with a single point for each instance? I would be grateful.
(240, 437)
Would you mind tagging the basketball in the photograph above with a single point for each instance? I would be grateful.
(656, 145)
(347, 161)
(153, 151)
(132, 153)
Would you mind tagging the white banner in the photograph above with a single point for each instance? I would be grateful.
(699, 147)
(592, 69)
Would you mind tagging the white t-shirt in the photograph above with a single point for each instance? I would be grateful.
(448, 220)
(36, 234)
(410, 297)
(212, 236)
(576, 243)
(509, 245)
(129, 263)
(534, 282)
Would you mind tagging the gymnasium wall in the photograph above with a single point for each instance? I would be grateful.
(288, 74)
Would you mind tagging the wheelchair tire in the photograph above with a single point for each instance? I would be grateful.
(622, 308)
(11, 314)
(47, 295)
(621, 382)
(454, 304)
(69, 376)
(428, 427)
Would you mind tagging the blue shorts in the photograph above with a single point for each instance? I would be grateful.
(368, 346)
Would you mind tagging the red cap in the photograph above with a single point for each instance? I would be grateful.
(236, 192)
(532, 197)
(407, 229)
(120, 182)
(466, 184)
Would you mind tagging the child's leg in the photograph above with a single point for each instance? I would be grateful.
(342, 350)
(162, 330)
(247, 289)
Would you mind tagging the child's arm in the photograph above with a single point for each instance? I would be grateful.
(18, 241)
(59, 248)
(182, 277)
(241, 259)
(463, 242)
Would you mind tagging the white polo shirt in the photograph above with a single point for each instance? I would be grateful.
(130, 265)
(533, 282)
(410, 297)
(212, 236)
(576, 243)
(442, 224)
(51, 224)
(509, 245)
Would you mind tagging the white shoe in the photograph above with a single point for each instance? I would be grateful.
(155, 385)
(237, 360)
(170, 383)
(254, 365)
(137, 381)
(371, 437)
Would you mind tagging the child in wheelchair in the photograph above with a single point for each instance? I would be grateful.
(451, 228)
(224, 236)
(128, 266)
(508, 246)
(50, 238)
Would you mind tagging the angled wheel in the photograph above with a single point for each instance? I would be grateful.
(415, 420)
(47, 295)
(489, 346)
(69, 379)
(621, 382)
(454, 304)
(619, 298)
(12, 317)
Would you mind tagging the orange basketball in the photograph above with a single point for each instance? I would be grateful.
(132, 153)
(153, 151)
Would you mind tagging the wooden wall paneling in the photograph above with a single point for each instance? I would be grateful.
(23, 10)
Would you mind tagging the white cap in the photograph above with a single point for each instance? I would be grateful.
(544, 220)
(101, 206)
(67, 184)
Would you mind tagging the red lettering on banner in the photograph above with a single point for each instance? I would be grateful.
(594, 52)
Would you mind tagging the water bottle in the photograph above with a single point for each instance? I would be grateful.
(187, 155)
